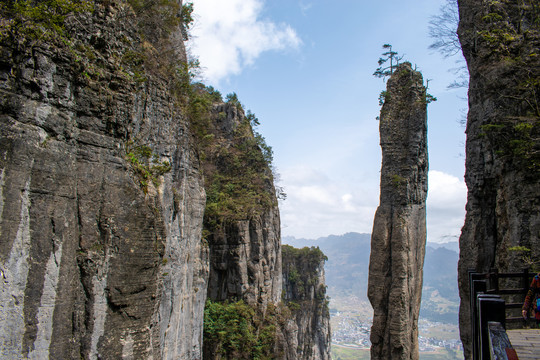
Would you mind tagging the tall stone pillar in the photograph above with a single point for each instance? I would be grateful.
(399, 230)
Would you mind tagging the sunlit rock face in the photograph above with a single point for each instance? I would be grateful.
(399, 229)
(500, 41)
(95, 260)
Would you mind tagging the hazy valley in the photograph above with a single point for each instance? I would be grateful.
(346, 274)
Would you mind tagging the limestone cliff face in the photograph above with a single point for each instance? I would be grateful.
(307, 333)
(284, 291)
(245, 248)
(245, 261)
(243, 231)
(500, 42)
(96, 260)
(399, 229)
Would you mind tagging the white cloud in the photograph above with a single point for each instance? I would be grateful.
(319, 205)
(446, 200)
(230, 35)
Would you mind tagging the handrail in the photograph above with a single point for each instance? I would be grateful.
(487, 307)
(493, 287)
(499, 343)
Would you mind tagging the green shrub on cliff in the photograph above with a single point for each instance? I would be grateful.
(159, 18)
(300, 271)
(514, 135)
(236, 330)
(146, 165)
(36, 21)
(237, 169)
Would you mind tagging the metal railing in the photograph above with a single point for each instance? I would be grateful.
(520, 288)
(489, 309)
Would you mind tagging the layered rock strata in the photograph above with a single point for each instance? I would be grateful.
(500, 41)
(96, 260)
(399, 229)
(245, 250)
(243, 231)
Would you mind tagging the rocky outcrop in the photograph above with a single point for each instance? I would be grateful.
(245, 248)
(242, 226)
(245, 261)
(399, 229)
(500, 41)
(307, 333)
(101, 200)
(278, 298)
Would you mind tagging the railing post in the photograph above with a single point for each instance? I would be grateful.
(525, 281)
(477, 284)
(490, 308)
(494, 279)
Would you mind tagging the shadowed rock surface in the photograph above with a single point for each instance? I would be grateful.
(248, 272)
(245, 250)
(500, 41)
(399, 229)
(97, 261)
(307, 334)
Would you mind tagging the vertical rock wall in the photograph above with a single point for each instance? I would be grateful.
(399, 229)
(291, 318)
(500, 41)
(95, 262)
(307, 333)
(245, 251)
(245, 261)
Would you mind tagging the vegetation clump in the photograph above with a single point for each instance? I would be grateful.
(236, 165)
(146, 165)
(157, 19)
(526, 257)
(29, 22)
(300, 272)
(515, 49)
(236, 330)
(384, 70)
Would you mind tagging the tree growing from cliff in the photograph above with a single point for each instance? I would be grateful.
(384, 69)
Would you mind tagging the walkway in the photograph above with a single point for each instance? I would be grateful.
(526, 342)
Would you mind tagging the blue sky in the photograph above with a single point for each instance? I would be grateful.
(305, 69)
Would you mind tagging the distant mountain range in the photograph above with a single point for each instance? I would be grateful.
(348, 265)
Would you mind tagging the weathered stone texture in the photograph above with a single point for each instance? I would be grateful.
(399, 229)
(245, 253)
(91, 265)
(245, 261)
(500, 41)
(307, 334)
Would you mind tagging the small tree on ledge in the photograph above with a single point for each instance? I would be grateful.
(384, 71)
